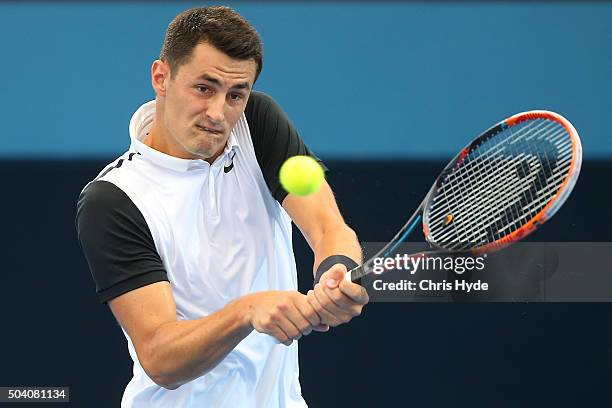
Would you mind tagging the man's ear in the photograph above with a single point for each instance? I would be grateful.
(160, 76)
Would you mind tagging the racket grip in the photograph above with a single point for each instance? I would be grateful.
(354, 275)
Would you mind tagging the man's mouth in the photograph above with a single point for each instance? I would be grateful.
(209, 130)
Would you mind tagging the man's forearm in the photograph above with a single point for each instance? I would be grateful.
(181, 351)
(341, 240)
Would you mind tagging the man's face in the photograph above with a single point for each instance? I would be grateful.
(203, 102)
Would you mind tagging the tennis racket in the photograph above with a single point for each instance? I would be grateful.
(497, 190)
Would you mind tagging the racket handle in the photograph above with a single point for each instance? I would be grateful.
(355, 275)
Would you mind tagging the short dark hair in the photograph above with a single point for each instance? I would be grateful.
(221, 27)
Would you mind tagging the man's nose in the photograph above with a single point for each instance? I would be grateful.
(214, 111)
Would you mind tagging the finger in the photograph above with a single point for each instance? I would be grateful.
(328, 297)
(296, 317)
(333, 275)
(325, 316)
(342, 301)
(340, 316)
(355, 292)
(287, 326)
(321, 328)
(278, 334)
(307, 311)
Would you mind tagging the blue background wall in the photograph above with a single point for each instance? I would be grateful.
(384, 82)
(362, 79)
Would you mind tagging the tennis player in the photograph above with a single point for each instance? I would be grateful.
(188, 234)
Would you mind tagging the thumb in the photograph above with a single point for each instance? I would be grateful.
(333, 276)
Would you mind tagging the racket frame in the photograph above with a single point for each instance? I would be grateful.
(356, 274)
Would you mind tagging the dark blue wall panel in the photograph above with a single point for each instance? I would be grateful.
(54, 331)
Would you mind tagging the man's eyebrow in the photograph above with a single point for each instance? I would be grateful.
(242, 85)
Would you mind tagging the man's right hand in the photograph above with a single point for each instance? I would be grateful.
(284, 315)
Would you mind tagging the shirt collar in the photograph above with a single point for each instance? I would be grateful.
(141, 123)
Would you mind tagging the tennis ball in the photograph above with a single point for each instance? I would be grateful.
(301, 175)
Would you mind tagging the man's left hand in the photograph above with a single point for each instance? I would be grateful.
(336, 300)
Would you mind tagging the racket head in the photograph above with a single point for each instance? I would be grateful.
(504, 184)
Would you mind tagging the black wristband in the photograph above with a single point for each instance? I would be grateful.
(331, 261)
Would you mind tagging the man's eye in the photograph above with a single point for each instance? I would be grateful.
(235, 97)
(203, 88)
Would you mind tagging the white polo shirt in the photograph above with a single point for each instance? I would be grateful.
(216, 232)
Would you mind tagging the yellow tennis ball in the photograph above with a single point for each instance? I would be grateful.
(301, 175)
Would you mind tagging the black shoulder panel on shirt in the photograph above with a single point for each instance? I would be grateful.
(275, 139)
(116, 241)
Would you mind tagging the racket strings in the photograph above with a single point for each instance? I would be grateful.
(463, 190)
(540, 180)
(501, 185)
(528, 188)
(464, 170)
(476, 235)
(510, 211)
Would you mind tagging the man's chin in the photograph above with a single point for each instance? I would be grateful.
(207, 152)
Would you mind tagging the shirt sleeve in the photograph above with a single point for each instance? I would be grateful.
(116, 241)
(275, 139)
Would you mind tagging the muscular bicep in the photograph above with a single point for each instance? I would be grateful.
(142, 311)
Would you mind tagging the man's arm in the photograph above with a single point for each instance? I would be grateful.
(318, 218)
(174, 352)
(130, 275)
